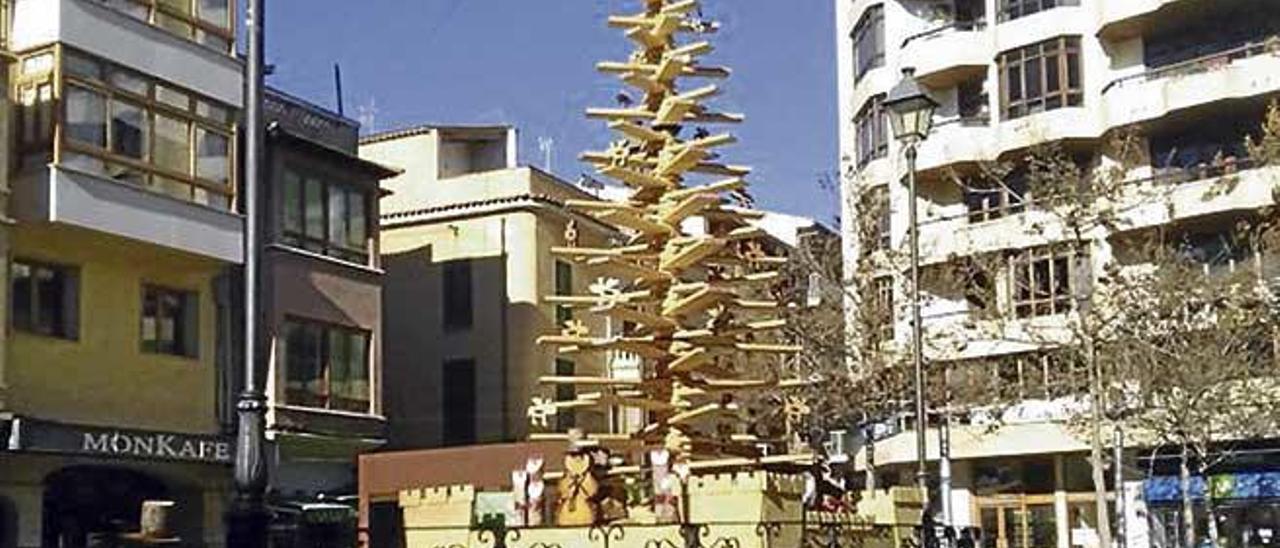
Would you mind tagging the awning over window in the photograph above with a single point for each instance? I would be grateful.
(1243, 485)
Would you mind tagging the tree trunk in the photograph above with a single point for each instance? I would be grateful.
(1188, 507)
(1210, 520)
(1096, 448)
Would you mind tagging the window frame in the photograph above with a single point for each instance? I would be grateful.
(202, 114)
(1037, 55)
(463, 318)
(563, 281)
(871, 131)
(157, 10)
(869, 27)
(1060, 295)
(189, 336)
(323, 244)
(1017, 9)
(68, 328)
(326, 400)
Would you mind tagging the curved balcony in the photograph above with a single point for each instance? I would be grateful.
(1246, 71)
(1119, 20)
(947, 55)
(957, 140)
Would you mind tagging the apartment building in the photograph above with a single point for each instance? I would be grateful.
(1188, 78)
(123, 236)
(466, 243)
(321, 311)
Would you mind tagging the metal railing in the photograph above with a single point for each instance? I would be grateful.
(959, 26)
(1203, 63)
(816, 533)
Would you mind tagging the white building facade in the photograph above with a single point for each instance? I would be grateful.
(1189, 79)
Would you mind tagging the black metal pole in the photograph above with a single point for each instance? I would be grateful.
(247, 519)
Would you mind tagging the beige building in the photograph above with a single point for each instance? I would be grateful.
(1191, 77)
(466, 239)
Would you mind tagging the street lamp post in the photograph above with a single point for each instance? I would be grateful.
(911, 116)
(247, 519)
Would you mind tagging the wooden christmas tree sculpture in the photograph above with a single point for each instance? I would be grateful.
(691, 279)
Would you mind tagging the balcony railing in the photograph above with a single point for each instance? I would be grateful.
(958, 26)
(1202, 64)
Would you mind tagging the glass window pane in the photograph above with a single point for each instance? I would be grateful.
(357, 231)
(213, 156)
(216, 12)
(211, 111)
(292, 202)
(37, 64)
(337, 216)
(1013, 81)
(303, 370)
(21, 296)
(314, 209)
(83, 162)
(1052, 74)
(129, 7)
(174, 25)
(1033, 89)
(128, 81)
(173, 144)
(130, 132)
(182, 7)
(81, 66)
(174, 98)
(86, 116)
(1073, 70)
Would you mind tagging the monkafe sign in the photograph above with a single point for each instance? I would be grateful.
(49, 437)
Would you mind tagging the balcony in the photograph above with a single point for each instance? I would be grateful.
(1121, 20)
(949, 54)
(122, 38)
(957, 139)
(1241, 72)
(68, 196)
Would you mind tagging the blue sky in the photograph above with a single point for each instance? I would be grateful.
(530, 63)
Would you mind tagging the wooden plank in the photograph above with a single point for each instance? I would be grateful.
(689, 206)
(689, 255)
(635, 316)
(690, 361)
(639, 132)
(721, 169)
(697, 302)
(768, 348)
(726, 185)
(682, 161)
(693, 49)
(639, 223)
(635, 178)
(715, 118)
(673, 111)
(623, 268)
(623, 113)
(670, 68)
(682, 7)
(588, 381)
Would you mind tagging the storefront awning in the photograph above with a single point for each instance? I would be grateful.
(1243, 485)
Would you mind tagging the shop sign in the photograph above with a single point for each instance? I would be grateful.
(50, 437)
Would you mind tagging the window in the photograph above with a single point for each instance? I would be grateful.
(1013, 9)
(324, 217)
(326, 367)
(988, 200)
(868, 42)
(459, 387)
(1043, 281)
(564, 286)
(566, 418)
(44, 299)
(207, 22)
(1041, 77)
(457, 295)
(871, 125)
(170, 322)
(128, 127)
(971, 96)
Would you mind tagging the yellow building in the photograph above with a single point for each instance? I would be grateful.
(466, 239)
(124, 246)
